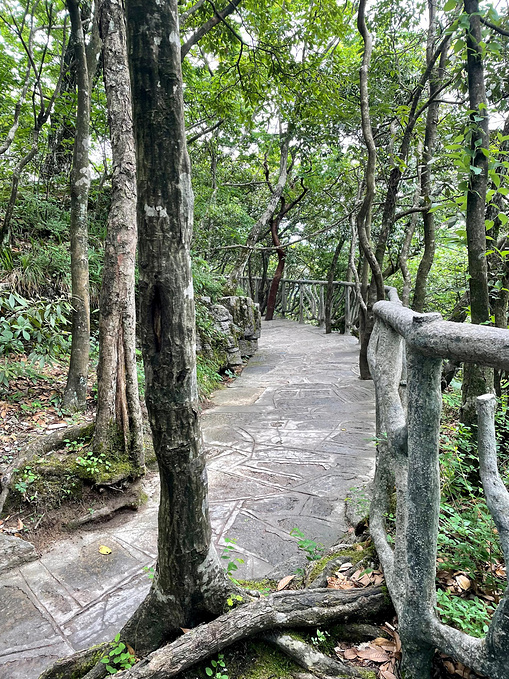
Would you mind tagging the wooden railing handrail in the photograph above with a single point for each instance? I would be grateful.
(405, 357)
(433, 336)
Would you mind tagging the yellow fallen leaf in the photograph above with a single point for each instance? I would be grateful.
(104, 550)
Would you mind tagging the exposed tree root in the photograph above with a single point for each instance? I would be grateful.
(42, 445)
(312, 659)
(75, 665)
(286, 609)
(108, 512)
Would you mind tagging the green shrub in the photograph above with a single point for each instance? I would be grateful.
(471, 616)
(38, 328)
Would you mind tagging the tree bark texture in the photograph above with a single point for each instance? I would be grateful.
(476, 380)
(301, 608)
(189, 585)
(364, 214)
(118, 420)
(75, 393)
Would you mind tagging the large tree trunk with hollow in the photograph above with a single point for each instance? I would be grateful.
(76, 388)
(119, 420)
(189, 585)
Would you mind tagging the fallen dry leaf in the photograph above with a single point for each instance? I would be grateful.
(463, 582)
(284, 582)
(373, 654)
(104, 550)
(20, 524)
(449, 666)
(387, 674)
(345, 567)
(350, 654)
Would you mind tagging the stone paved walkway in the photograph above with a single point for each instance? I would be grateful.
(286, 442)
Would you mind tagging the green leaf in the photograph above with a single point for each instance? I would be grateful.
(449, 5)
(208, 672)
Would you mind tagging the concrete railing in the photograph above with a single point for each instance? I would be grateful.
(304, 300)
(405, 355)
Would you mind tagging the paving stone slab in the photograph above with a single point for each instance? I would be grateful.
(285, 445)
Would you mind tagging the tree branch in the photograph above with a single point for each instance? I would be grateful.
(208, 26)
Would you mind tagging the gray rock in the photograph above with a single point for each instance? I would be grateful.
(14, 552)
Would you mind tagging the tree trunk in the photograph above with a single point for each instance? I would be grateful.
(430, 135)
(76, 388)
(189, 585)
(118, 419)
(261, 223)
(278, 274)
(376, 290)
(477, 380)
(330, 287)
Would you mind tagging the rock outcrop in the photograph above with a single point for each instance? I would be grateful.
(229, 329)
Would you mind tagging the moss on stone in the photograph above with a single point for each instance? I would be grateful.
(352, 555)
(59, 478)
(258, 585)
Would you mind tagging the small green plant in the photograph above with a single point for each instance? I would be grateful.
(93, 464)
(149, 570)
(227, 555)
(314, 550)
(119, 658)
(74, 446)
(24, 483)
(320, 638)
(218, 669)
(233, 600)
(468, 615)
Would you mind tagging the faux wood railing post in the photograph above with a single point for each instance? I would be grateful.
(301, 304)
(283, 298)
(348, 320)
(423, 501)
(321, 309)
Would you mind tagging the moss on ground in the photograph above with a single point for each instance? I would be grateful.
(258, 585)
(353, 555)
(50, 481)
(249, 659)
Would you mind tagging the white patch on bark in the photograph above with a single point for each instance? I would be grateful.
(189, 291)
(157, 211)
(175, 39)
(280, 618)
(83, 181)
(194, 383)
(157, 40)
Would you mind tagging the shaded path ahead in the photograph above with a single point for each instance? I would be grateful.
(286, 442)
